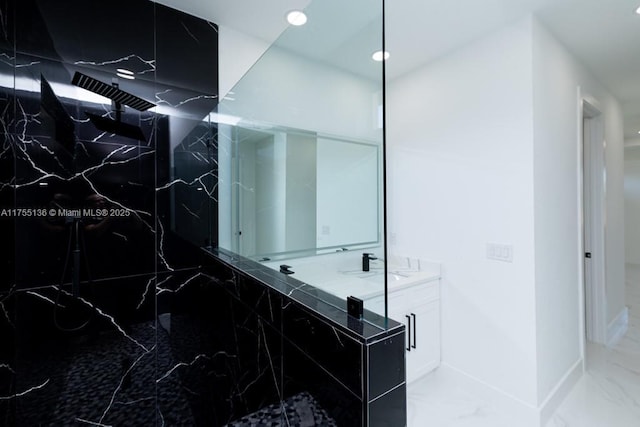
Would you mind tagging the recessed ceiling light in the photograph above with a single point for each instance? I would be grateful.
(125, 76)
(638, 10)
(378, 56)
(297, 18)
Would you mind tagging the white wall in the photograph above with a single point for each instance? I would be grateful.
(484, 148)
(270, 194)
(615, 227)
(347, 194)
(557, 210)
(237, 52)
(301, 192)
(245, 192)
(632, 203)
(460, 143)
(225, 217)
(557, 78)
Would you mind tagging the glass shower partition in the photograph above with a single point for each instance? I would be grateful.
(301, 154)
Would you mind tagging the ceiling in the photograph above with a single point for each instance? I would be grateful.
(263, 19)
(603, 34)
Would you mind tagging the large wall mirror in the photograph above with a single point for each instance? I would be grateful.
(299, 193)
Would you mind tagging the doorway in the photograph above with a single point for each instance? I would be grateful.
(594, 220)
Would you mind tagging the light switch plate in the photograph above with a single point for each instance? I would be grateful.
(500, 252)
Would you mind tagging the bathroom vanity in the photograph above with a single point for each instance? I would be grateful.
(417, 305)
(414, 296)
(353, 368)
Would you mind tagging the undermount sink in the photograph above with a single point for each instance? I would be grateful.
(392, 276)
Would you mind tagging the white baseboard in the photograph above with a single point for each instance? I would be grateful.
(560, 391)
(618, 327)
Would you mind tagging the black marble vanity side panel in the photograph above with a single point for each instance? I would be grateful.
(386, 365)
(326, 306)
(338, 364)
(330, 399)
(389, 410)
(265, 302)
(327, 346)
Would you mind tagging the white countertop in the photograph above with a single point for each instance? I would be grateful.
(341, 273)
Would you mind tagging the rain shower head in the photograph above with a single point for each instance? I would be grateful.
(111, 92)
(120, 98)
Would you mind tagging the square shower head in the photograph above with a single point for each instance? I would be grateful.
(111, 92)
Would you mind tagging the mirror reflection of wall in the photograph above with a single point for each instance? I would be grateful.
(296, 192)
(347, 193)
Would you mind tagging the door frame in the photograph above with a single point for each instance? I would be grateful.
(592, 206)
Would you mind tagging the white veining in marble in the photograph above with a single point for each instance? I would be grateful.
(607, 395)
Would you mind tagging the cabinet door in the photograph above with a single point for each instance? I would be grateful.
(424, 355)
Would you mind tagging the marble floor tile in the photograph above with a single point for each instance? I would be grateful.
(609, 392)
(607, 395)
(436, 400)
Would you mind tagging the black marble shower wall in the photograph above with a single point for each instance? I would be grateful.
(89, 204)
